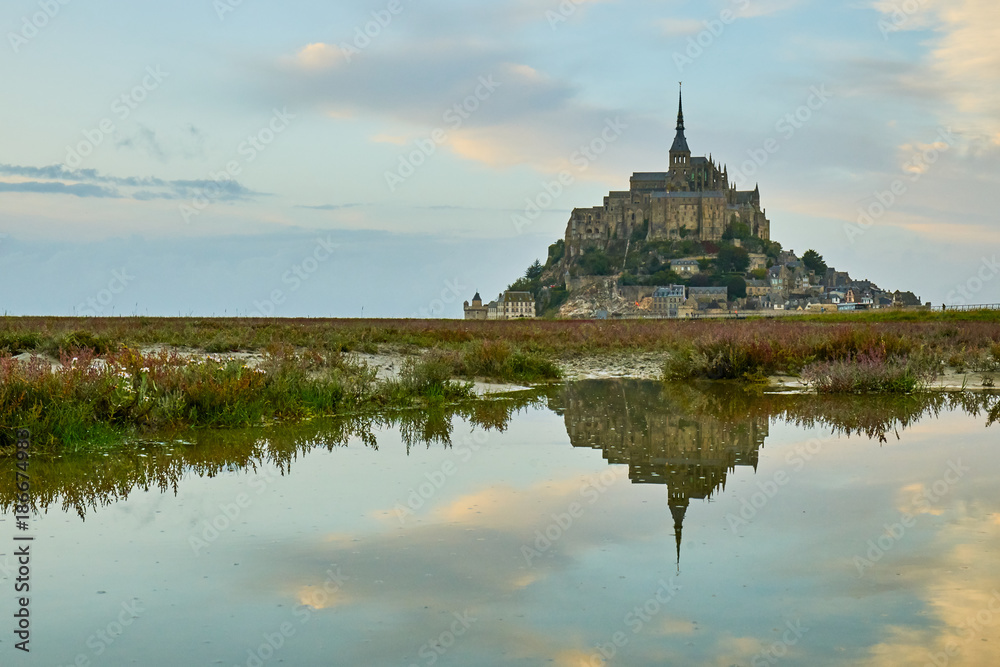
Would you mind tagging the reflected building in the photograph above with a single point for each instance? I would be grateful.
(660, 437)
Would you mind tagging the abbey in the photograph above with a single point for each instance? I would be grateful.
(694, 200)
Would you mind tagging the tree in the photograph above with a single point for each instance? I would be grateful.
(759, 274)
(814, 262)
(736, 230)
(733, 259)
(534, 271)
(594, 262)
(556, 251)
(737, 288)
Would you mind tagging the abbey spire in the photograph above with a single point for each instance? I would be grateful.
(680, 154)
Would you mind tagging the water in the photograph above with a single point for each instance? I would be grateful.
(605, 522)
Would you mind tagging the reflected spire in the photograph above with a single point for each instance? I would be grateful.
(678, 508)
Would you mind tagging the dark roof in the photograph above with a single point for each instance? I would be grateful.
(510, 297)
(673, 290)
(477, 297)
(680, 143)
(649, 176)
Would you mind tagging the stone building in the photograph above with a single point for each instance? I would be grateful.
(693, 199)
(708, 294)
(685, 267)
(667, 301)
(508, 306)
(476, 310)
(515, 306)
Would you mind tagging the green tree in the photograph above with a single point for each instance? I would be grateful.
(594, 262)
(556, 252)
(736, 230)
(814, 262)
(737, 288)
(534, 271)
(732, 259)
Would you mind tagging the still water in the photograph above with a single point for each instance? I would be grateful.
(604, 522)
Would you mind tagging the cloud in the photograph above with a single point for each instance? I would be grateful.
(318, 56)
(748, 9)
(144, 140)
(962, 62)
(75, 189)
(90, 182)
(493, 107)
(329, 207)
(681, 27)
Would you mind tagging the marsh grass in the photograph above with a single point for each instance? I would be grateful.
(93, 401)
(869, 373)
(111, 389)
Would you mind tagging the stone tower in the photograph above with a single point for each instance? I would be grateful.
(680, 154)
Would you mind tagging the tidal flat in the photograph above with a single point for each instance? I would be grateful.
(78, 383)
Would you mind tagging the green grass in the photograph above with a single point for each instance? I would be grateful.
(307, 372)
(94, 402)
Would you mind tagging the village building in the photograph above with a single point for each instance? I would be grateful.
(667, 301)
(508, 306)
(476, 310)
(685, 267)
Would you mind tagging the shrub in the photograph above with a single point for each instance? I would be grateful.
(18, 342)
(867, 373)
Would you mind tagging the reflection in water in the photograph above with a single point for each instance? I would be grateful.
(689, 437)
(643, 425)
(86, 482)
(380, 589)
(685, 436)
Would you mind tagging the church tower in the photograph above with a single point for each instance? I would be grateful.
(680, 154)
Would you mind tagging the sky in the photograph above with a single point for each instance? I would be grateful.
(389, 158)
